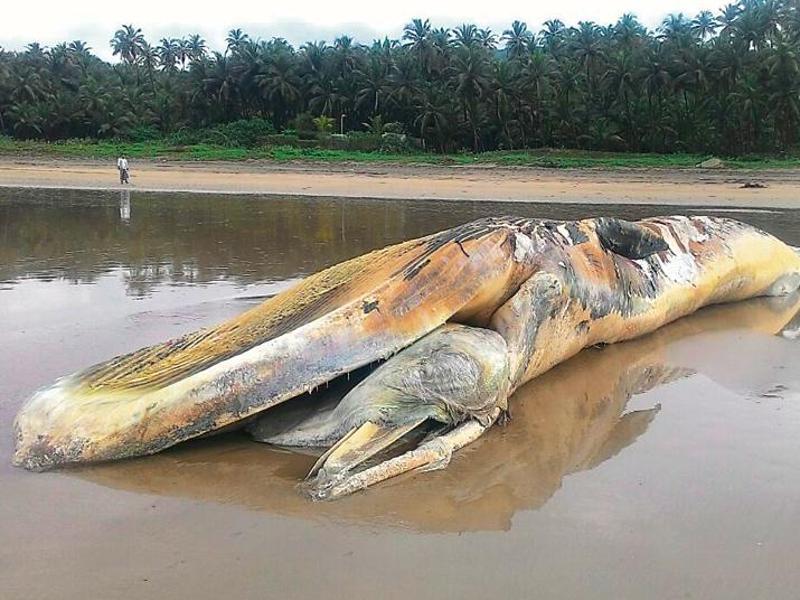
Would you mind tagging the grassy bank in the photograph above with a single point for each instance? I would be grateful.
(79, 149)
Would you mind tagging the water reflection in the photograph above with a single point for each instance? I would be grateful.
(191, 238)
(569, 420)
(125, 205)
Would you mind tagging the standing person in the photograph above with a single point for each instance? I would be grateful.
(122, 166)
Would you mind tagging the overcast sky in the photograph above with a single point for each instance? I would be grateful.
(50, 21)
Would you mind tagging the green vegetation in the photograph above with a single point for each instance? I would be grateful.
(725, 85)
(557, 159)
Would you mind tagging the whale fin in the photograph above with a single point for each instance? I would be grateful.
(627, 239)
(329, 324)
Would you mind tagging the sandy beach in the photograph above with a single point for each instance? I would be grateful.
(696, 187)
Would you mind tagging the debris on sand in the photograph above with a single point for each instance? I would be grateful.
(753, 185)
(711, 163)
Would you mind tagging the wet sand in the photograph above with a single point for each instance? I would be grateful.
(688, 187)
(665, 467)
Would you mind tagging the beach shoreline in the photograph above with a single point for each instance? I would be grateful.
(684, 187)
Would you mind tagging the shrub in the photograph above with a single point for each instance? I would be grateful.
(304, 125)
(393, 127)
(324, 124)
(394, 142)
(282, 139)
(364, 141)
(142, 133)
(247, 133)
(244, 133)
(185, 137)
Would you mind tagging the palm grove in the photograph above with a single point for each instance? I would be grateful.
(727, 83)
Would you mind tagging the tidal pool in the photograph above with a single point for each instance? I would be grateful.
(665, 467)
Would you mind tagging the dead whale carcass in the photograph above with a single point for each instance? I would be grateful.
(462, 317)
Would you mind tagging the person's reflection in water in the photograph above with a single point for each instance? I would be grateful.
(125, 205)
(570, 419)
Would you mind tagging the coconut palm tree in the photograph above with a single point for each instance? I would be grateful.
(197, 50)
(628, 32)
(783, 66)
(417, 38)
(487, 39)
(280, 85)
(236, 40)
(517, 40)
(470, 82)
(466, 35)
(588, 49)
(168, 51)
(128, 42)
(553, 34)
(724, 84)
(704, 25)
(676, 29)
(433, 119)
(372, 84)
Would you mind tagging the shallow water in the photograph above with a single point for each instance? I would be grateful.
(666, 467)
